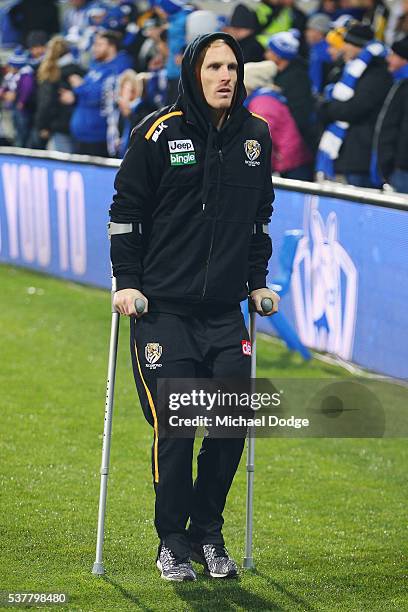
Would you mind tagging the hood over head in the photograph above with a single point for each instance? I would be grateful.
(196, 110)
(191, 98)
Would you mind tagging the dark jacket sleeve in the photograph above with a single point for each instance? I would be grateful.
(136, 186)
(301, 105)
(387, 132)
(261, 243)
(402, 155)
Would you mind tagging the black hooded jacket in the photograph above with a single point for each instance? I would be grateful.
(202, 197)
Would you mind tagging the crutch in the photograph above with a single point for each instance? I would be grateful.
(98, 567)
(248, 562)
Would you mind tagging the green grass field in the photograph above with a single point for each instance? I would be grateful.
(330, 514)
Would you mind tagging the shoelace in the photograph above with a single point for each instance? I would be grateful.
(218, 550)
(170, 559)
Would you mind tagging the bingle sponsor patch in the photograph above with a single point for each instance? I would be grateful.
(181, 152)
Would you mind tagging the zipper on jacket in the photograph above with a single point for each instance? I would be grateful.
(207, 263)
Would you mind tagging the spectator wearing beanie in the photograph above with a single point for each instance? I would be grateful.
(320, 62)
(176, 12)
(390, 151)
(335, 40)
(290, 156)
(37, 44)
(242, 27)
(351, 110)
(293, 80)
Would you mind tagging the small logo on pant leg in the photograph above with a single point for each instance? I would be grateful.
(153, 352)
(246, 347)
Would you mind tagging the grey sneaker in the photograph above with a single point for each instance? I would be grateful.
(172, 568)
(216, 560)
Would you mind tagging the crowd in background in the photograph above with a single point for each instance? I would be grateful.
(332, 84)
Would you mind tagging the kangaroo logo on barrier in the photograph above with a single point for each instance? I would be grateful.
(324, 285)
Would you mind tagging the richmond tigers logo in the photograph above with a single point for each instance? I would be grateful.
(153, 352)
(253, 150)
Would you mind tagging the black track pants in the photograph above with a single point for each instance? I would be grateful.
(208, 346)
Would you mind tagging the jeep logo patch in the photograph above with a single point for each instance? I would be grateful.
(181, 152)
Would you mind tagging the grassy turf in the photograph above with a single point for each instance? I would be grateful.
(330, 515)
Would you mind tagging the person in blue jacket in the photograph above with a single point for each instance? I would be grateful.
(176, 12)
(93, 95)
(320, 62)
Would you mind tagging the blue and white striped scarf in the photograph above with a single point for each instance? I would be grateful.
(343, 91)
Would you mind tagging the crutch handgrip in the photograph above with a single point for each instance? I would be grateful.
(140, 305)
(266, 305)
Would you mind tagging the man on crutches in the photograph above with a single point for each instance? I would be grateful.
(189, 237)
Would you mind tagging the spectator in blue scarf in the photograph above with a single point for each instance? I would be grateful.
(352, 107)
(293, 79)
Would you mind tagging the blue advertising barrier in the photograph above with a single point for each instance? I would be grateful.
(53, 217)
(349, 286)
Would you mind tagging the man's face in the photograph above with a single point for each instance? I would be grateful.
(350, 51)
(395, 62)
(329, 6)
(38, 51)
(276, 59)
(218, 75)
(334, 53)
(313, 36)
(101, 49)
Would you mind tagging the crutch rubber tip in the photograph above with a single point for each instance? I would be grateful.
(140, 305)
(266, 305)
(98, 569)
(248, 563)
